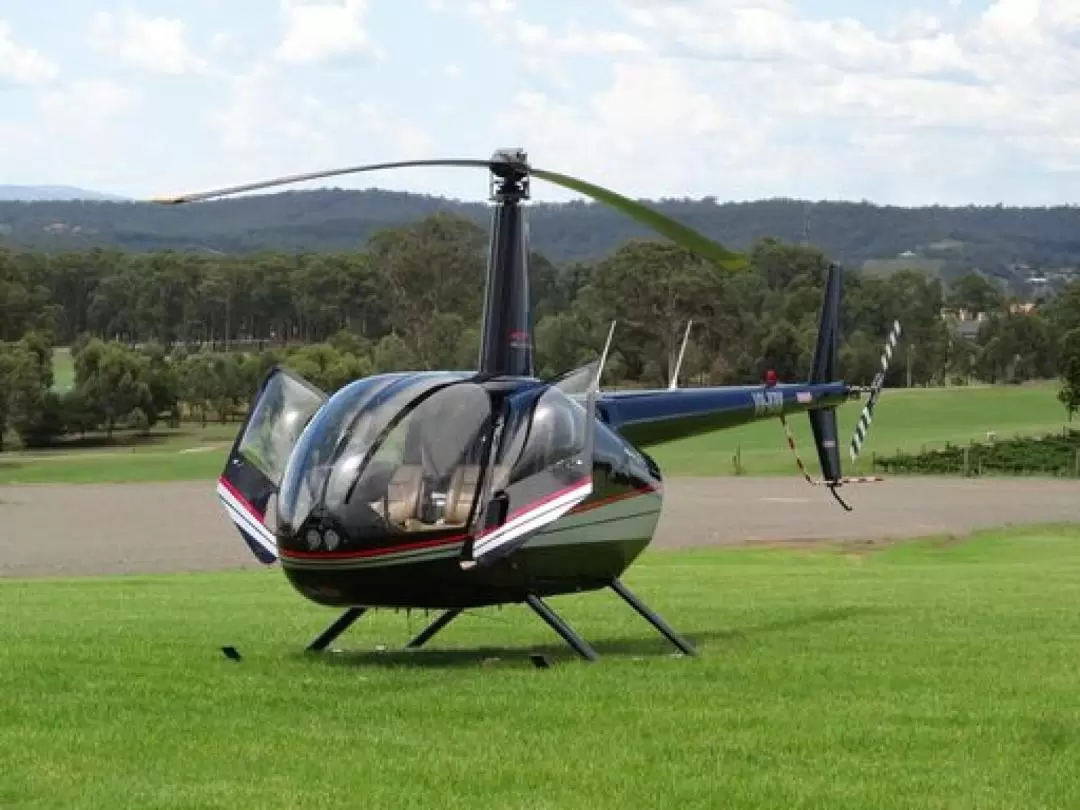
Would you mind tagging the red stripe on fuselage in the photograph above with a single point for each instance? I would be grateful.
(240, 498)
(373, 552)
(457, 538)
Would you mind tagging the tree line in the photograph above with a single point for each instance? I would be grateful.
(988, 237)
(164, 336)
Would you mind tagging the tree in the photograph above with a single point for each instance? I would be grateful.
(21, 390)
(1069, 393)
(975, 294)
(651, 288)
(434, 266)
(108, 375)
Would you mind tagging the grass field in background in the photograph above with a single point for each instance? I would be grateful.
(190, 452)
(63, 370)
(934, 673)
(904, 419)
(907, 419)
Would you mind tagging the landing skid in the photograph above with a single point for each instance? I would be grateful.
(538, 606)
(350, 616)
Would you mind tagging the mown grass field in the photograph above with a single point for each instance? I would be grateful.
(904, 419)
(63, 365)
(936, 673)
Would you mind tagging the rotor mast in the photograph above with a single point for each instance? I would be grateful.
(506, 342)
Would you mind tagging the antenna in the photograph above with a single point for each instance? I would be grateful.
(603, 357)
(674, 383)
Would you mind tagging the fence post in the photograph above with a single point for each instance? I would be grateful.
(1076, 465)
(967, 462)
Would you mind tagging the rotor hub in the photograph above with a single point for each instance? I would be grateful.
(510, 175)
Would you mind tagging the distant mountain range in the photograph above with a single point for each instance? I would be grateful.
(1019, 246)
(52, 193)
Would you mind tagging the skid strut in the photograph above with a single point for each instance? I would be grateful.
(652, 618)
(340, 625)
(425, 635)
(556, 623)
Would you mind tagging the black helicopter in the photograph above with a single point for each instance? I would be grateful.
(451, 490)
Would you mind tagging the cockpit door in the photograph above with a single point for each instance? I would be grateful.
(253, 471)
(540, 466)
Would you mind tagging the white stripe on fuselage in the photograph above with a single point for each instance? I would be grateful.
(634, 516)
(630, 516)
(243, 518)
(532, 519)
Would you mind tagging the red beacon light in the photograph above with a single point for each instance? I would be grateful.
(770, 378)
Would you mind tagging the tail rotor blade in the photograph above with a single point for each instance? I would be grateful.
(862, 429)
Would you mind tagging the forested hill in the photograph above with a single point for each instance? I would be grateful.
(990, 238)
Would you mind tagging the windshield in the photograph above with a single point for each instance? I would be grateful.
(425, 471)
(328, 455)
(399, 454)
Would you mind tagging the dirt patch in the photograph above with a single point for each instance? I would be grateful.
(63, 530)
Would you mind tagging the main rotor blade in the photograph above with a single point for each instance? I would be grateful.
(675, 231)
(299, 178)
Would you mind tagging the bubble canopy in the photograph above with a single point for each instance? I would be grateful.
(408, 454)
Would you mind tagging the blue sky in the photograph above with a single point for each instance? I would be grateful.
(949, 101)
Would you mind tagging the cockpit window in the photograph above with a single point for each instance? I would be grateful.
(283, 410)
(329, 453)
(425, 472)
(554, 435)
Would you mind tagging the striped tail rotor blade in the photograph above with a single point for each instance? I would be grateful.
(862, 429)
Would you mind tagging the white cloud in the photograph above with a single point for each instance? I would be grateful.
(264, 125)
(650, 116)
(319, 30)
(90, 106)
(751, 97)
(155, 44)
(74, 134)
(20, 64)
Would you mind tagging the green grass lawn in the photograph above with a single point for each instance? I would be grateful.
(63, 370)
(904, 419)
(191, 452)
(936, 673)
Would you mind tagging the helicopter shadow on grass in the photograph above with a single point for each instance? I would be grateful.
(645, 645)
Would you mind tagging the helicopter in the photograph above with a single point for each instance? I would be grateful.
(460, 489)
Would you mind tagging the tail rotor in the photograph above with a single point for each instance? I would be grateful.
(823, 421)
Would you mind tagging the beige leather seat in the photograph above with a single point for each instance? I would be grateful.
(403, 494)
(462, 493)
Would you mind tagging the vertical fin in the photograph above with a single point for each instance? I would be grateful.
(824, 370)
